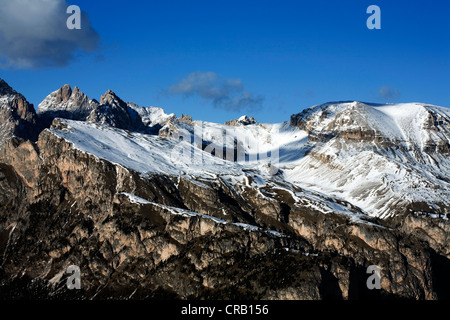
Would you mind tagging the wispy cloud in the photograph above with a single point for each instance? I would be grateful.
(223, 93)
(388, 93)
(34, 34)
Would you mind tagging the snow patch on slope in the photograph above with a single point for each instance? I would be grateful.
(187, 213)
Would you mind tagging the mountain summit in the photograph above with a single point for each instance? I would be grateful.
(387, 159)
(65, 103)
(115, 112)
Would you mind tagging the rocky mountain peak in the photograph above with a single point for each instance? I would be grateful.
(5, 89)
(115, 112)
(63, 94)
(246, 120)
(242, 121)
(185, 118)
(111, 99)
(66, 103)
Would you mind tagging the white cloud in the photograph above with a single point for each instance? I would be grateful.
(34, 34)
(389, 94)
(223, 93)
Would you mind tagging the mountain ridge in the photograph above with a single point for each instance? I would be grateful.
(147, 215)
(408, 137)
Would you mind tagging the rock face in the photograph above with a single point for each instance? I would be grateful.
(147, 228)
(17, 115)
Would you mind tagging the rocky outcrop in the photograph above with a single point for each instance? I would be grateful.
(185, 118)
(17, 115)
(242, 121)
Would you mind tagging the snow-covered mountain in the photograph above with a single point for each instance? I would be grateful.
(384, 159)
(125, 189)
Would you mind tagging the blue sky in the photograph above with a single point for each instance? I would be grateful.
(283, 56)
